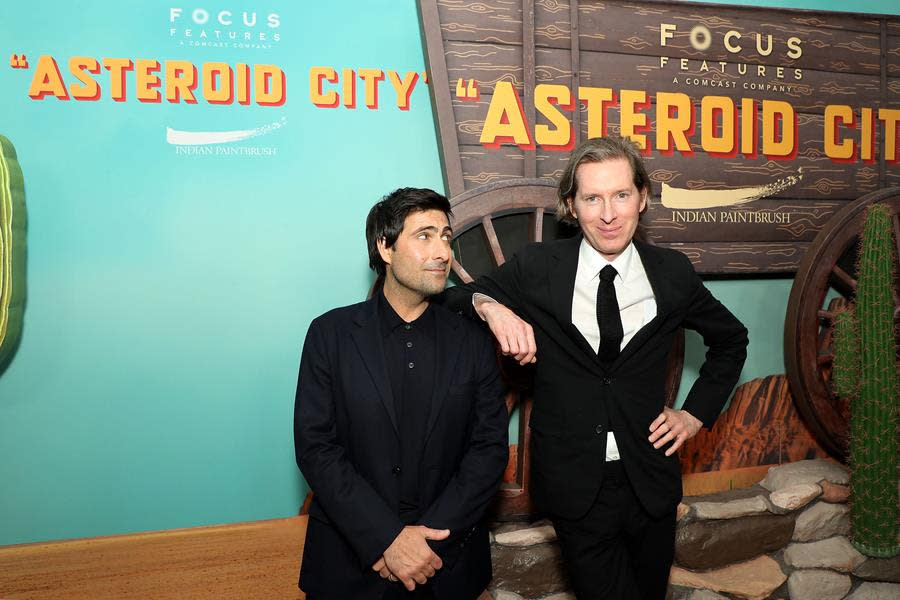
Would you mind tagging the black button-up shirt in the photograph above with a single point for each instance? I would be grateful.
(409, 351)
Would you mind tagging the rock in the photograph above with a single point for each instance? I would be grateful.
(504, 595)
(508, 526)
(755, 579)
(834, 553)
(805, 471)
(879, 569)
(822, 520)
(527, 537)
(818, 584)
(682, 511)
(531, 572)
(704, 545)
(706, 595)
(730, 510)
(876, 591)
(832, 492)
(795, 496)
(560, 596)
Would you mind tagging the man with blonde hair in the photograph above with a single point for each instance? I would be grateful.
(597, 314)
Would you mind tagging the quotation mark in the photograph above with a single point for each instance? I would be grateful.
(468, 92)
(18, 62)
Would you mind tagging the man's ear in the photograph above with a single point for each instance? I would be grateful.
(570, 206)
(384, 250)
(645, 201)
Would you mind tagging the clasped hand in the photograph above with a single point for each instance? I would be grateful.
(409, 559)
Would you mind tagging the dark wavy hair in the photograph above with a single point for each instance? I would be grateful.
(385, 220)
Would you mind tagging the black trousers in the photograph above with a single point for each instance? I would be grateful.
(617, 551)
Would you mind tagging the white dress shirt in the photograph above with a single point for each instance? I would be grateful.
(637, 305)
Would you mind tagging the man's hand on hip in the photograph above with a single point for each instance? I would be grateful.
(676, 426)
(515, 336)
(409, 558)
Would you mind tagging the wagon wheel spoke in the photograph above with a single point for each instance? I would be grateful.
(490, 236)
(460, 271)
(536, 222)
(825, 359)
(843, 281)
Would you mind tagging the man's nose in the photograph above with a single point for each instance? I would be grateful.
(607, 210)
(441, 250)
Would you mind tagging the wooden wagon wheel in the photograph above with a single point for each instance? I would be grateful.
(827, 274)
(491, 223)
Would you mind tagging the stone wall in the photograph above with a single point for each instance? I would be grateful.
(783, 538)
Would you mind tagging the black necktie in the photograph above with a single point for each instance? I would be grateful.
(608, 316)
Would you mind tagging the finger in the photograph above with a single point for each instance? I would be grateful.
(659, 431)
(379, 564)
(436, 562)
(658, 421)
(420, 578)
(435, 534)
(408, 584)
(664, 440)
(504, 343)
(513, 345)
(679, 441)
(386, 574)
(532, 345)
(428, 571)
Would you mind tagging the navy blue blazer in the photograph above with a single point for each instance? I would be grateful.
(347, 447)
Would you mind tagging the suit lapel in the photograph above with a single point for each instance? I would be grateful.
(367, 337)
(446, 355)
(662, 293)
(562, 289)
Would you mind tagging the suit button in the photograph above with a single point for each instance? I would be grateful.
(607, 380)
(395, 470)
(599, 429)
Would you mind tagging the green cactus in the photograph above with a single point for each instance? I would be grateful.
(865, 372)
(12, 249)
(845, 375)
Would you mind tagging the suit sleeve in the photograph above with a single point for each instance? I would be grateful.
(464, 500)
(503, 284)
(726, 340)
(349, 501)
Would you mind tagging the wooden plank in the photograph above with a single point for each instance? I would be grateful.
(491, 63)
(441, 103)
(822, 179)
(528, 64)
(742, 258)
(700, 484)
(759, 221)
(258, 560)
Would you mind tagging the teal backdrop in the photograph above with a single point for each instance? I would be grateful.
(169, 293)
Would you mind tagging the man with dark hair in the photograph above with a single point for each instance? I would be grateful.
(400, 425)
(597, 314)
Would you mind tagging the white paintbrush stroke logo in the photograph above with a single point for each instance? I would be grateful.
(179, 137)
(679, 198)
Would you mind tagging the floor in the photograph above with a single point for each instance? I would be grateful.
(245, 561)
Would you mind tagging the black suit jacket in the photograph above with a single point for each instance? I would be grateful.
(348, 449)
(576, 395)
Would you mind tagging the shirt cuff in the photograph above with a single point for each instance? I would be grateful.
(479, 297)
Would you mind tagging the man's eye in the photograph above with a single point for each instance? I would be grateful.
(446, 237)
(423, 236)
